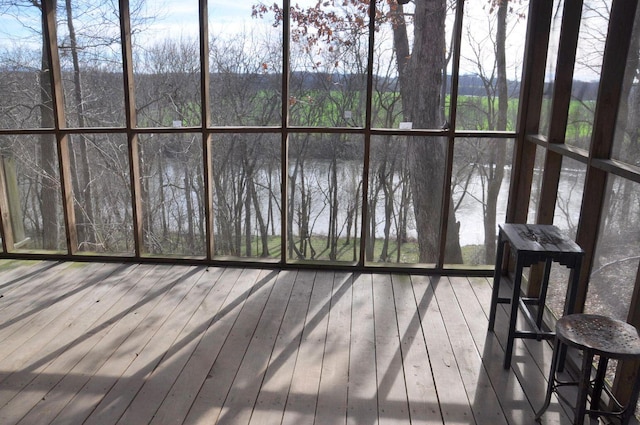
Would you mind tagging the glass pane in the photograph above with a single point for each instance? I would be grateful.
(246, 189)
(566, 216)
(325, 183)
(102, 193)
(25, 103)
(246, 64)
(91, 62)
(589, 55)
(616, 262)
(550, 73)
(405, 195)
(569, 201)
(172, 194)
(328, 72)
(626, 144)
(413, 93)
(391, 226)
(166, 56)
(33, 189)
(480, 190)
(487, 91)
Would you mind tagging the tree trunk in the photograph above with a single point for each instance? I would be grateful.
(50, 182)
(424, 65)
(498, 150)
(262, 226)
(84, 212)
(190, 211)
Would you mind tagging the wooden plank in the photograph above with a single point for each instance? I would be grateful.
(52, 388)
(22, 292)
(505, 384)
(421, 391)
(362, 401)
(243, 394)
(320, 332)
(148, 344)
(106, 353)
(272, 398)
(454, 404)
(303, 392)
(18, 274)
(393, 406)
(208, 403)
(186, 323)
(480, 393)
(215, 318)
(334, 376)
(527, 385)
(48, 377)
(37, 325)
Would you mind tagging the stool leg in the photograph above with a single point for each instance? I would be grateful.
(513, 317)
(633, 401)
(551, 381)
(598, 384)
(496, 282)
(583, 387)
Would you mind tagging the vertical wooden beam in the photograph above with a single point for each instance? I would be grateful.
(568, 43)
(453, 109)
(205, 81)
(6, 230)
(532, 88)
(567, 46)
(130, 119)
(284, 134)
(62, 138)
(364, 228)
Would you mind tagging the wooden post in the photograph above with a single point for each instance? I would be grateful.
(6, 229)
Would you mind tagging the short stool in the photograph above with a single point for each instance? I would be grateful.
(594, 335)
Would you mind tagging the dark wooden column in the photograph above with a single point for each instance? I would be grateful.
(538, 27)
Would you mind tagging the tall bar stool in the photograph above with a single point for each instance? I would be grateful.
(531, 244)
(594, 335)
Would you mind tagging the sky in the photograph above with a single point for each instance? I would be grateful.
(179, 19)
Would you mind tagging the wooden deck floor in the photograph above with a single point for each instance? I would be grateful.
(144, 344)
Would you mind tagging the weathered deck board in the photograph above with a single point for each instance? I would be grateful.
(303, 392)
(135, 344)
(421, 390)
(272, 398)
(393, 406)
(220, 377)
(334, 377)
(362, 396)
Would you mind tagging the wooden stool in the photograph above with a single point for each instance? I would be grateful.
(594, 335)
(532, 244)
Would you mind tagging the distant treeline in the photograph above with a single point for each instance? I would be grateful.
(468, 85)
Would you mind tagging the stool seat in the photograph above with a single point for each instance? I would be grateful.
(602, 335)
(594, 335)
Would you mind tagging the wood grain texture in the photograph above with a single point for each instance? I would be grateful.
(154, 344)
